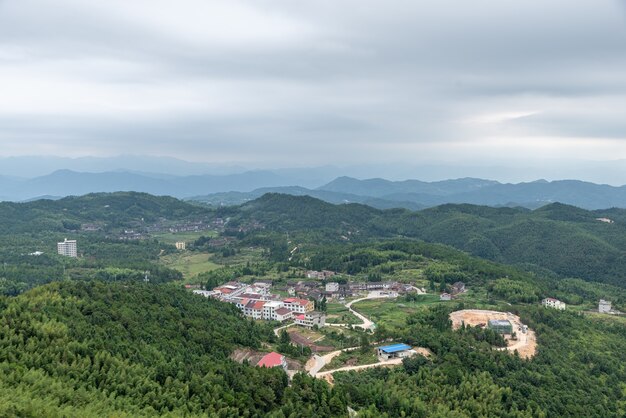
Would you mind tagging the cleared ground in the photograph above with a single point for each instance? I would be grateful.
(189, 263)
(526, 343)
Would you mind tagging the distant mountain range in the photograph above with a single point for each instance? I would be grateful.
(415, 194)
(70, 183)
(233, 189)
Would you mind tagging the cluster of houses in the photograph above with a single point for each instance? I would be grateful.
(456, 289)
(255, 301)
(330, 290)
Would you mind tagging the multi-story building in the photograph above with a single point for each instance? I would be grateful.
(298, 305)
(311, 318)
(553, 303)
(67, 248)
(270, 308)
(283, 314)
(604, 306)
(254, 309)
(332, 287)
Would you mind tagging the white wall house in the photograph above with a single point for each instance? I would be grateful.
(332, 287)
(604, 306)
(553, 303)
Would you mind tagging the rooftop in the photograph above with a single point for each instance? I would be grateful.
(499, 322)
(272, 359)
(283, 311)
(394, 348)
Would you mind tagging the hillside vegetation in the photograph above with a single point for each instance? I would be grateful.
(94, 349)
(566, 240)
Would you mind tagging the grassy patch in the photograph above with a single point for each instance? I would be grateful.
(393, 312)
(190, 264)
(339, 314)
(188, 237)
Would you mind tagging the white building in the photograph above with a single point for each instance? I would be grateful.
(205, 293)
(310, 319)
(270, 308)
(67, 248)
(553, 303)
(445, 296)
(298, 305)
(283, 314)
(332, 287)
(181, 245)
(604, 306)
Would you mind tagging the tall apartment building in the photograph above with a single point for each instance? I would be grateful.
(67, 248)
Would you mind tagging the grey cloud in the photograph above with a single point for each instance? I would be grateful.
(361, 75)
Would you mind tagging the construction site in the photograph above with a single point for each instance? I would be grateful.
(520, 338)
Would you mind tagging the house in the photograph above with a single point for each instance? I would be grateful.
(458, 287)
(283, 314)
(273, 359)
(445, 296)
(604, 306)
(394, 351)
(553, 303)
(501, 326)
(181, 246)
(374, 285)
(254, 309)
(298, 305)
(332, 287)
(269, 309)
(205, 293)
(310, 319)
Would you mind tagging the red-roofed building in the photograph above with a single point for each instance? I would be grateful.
(273, 359)
(254, 309)
(299, 305)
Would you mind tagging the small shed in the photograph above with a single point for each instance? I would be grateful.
(394, 351)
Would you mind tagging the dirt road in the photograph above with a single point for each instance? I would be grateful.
(317, 363)
(392, 362)
(366, 323)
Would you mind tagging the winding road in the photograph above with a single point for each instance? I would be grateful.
(367, 323)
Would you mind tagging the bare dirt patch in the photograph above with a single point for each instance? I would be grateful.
(300, 339)
(526, 343)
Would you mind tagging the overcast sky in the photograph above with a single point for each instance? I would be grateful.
(289, 83)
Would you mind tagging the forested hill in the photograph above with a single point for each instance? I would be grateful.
(112, 209)
(564, 239)
(86, 349)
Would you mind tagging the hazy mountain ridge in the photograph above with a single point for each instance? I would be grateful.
(234, 189)
(415, 194)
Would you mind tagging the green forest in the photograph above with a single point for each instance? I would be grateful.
(114, 333)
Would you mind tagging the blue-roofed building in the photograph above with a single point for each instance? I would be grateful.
(394, 351)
